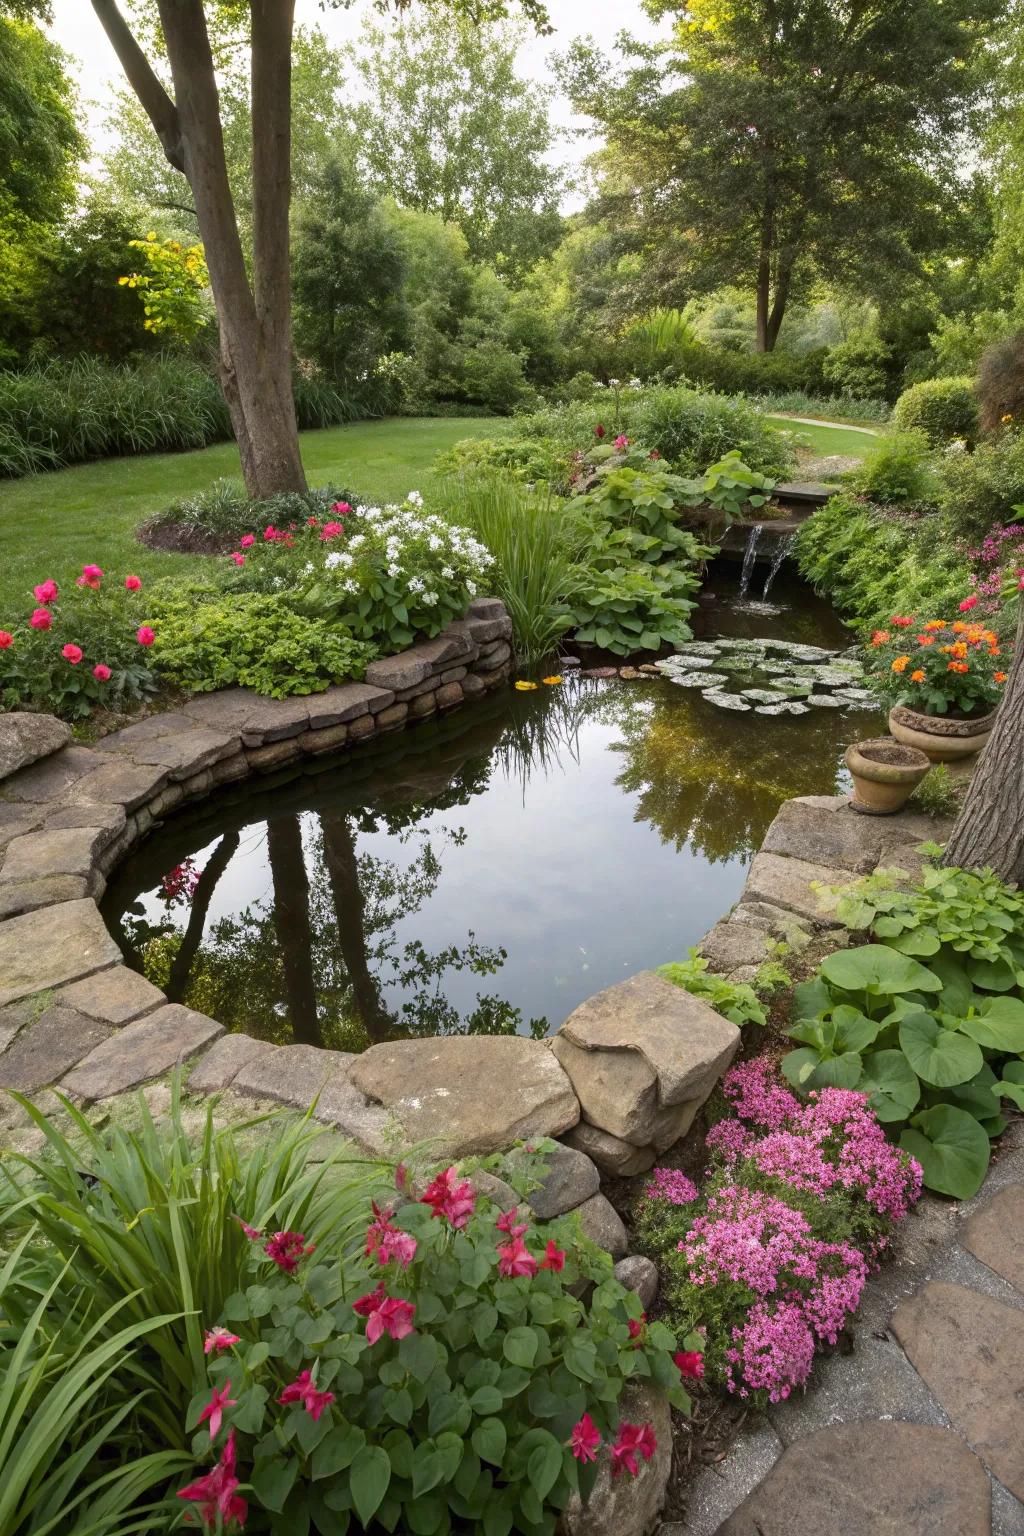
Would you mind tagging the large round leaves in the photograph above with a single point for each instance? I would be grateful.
(951, 1147)
(942, 1057)
(891, 1085)
(877, 971)
(998, 1023)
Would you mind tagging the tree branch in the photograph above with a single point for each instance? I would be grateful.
(159, 107)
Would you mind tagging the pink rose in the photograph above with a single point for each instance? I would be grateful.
(133, 583)
(46, 592)
(41, 619)
(144, 635)
(101, 672)
(72, 653)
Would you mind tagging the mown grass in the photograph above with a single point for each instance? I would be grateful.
(830, 440)
(53, 524)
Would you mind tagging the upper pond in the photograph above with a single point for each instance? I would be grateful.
(486, 872)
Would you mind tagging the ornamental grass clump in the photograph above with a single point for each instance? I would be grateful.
(454, 1385)
(771, 1261)
(83, 645)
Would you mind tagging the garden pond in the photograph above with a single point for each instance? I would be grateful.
(493, 869)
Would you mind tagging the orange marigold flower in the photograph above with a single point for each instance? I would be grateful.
(1001, 677)
(959, 650)
(994, 650)
(879, 637)
(959, 627)
(917, 677)
(958, 666)
(902, 623)
(901, 663)
(936, 624)
(926, 639)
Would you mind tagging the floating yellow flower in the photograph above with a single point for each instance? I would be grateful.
(552, 682)
(527, 687)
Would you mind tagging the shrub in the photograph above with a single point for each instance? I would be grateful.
(251, 640)
(733, 999)
(86, 646)
(873, 565)
(858, 367)
(772, 1260)
(1001, 385)
(897, 471)
(940, 408)
(980, 489)
(226, 509)
(940, 668)
(624, 608)
(461, 1386)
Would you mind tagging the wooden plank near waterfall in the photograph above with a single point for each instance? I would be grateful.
(806, 491)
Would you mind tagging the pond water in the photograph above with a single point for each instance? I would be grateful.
(489, 871)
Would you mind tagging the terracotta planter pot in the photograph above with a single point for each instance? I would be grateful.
(942, 738)
(885, 775)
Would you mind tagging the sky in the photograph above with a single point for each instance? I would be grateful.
(78, 31)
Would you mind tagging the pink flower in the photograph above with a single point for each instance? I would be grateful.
(101, 672)
(304, 1390)
(585, 1439)
(384, 1314)
(671, 1185)
(331, 531)
(341, 507)
(41, 619)
(214, 1410)
(621, 442)
(449, 1198)
(515, 1258)
(247, 540)
(91, 577)
(218, 1338)
(270, 534)
(144, 635)
(508, 1222)
(636, 1326)
(133, 583)
(215, 1493)
(6, 639)
(965, 607)
(631, 1439)
(387, 1241)
(72, 653)
(690, 1363)
(46, 592)
(238, 558)
(286, 1249)
(252, 1233)
(554, 1257)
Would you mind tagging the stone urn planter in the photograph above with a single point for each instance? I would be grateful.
(885, 775)
(942, 738)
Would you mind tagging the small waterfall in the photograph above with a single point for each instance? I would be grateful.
(782, 550)
(749, 556)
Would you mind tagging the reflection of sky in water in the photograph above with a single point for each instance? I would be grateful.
(601, 860)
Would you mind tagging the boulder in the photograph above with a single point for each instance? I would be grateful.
(788, 882)
(636, 1273)
(628, 1506)
(729, 945)
(640, 1048)
(25, 738)
(142, 1051)
(471, 1093)
(571, 1178)
(611, 1154)
(603, 1225)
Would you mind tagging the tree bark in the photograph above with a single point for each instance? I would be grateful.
(254, 323)
(293, 927)
(990, 828)
(181, 965)
(350, 913)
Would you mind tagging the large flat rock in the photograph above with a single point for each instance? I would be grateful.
(142, 1051)
(967, 1348)
(25, 738)
(995, 1235)
(115, 996)
(49, 1046)
(52, 778)
(301, 1075)
(474, 1093)
(67, 851)
(870, 1479)
(173, 741)
(788, 883)
(255, 719)
(53, 945)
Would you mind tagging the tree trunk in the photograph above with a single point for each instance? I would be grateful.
(350, 913)
(990, 828)
(255, 350)
(181, 965)
(291, 922)
(764, 283)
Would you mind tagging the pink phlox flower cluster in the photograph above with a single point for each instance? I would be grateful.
(757, 1096)
(836, 1293)
(795, 1159)
(749, 1237)
(671, 1185)
(773, 1352)
(729, 1139)
(840, 1121)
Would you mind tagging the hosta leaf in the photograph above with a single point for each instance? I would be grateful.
(952, 1148)
(942, 1057)
(891, 1085)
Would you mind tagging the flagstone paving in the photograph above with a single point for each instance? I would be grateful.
(919, 1431)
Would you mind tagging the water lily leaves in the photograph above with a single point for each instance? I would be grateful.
(942, 1057)
(952, 1148)
(891, 1085)
(877, 970)
(998, 1023)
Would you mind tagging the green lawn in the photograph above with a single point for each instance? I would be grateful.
(53, 524)
(829, 440)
